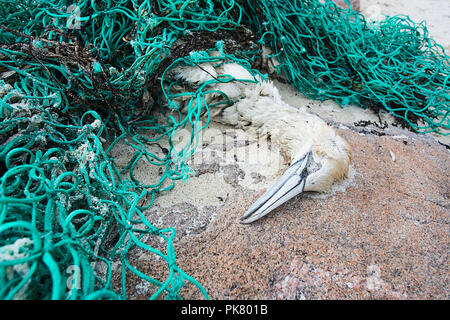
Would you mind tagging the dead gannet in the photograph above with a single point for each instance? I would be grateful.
(317, 155)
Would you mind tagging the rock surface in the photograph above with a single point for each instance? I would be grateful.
(355, 4)
(382, 234)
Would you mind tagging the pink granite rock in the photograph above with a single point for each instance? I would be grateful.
(355, 4)
(385, 237)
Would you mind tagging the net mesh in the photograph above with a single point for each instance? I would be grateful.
(79, 79)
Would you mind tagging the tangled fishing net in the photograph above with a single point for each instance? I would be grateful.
(77, 79)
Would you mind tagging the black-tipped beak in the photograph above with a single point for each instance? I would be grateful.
(291, 183)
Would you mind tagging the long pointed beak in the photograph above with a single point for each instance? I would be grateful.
(289, 185)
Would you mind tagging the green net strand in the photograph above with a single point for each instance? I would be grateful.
(77, 111)
(330, 53)
(80, 80)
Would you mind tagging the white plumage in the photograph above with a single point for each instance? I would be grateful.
(318, 156)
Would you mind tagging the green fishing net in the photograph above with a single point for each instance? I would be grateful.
(79, 79)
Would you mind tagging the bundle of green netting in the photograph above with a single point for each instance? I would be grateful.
(79, 79)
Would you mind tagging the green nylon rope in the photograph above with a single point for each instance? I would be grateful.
(329, 53)
(78, 81)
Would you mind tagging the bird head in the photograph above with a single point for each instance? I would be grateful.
(317, 164)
